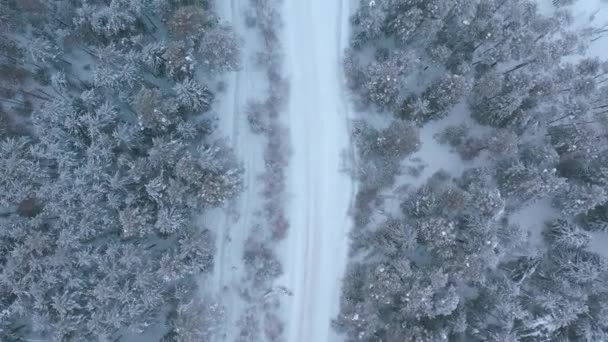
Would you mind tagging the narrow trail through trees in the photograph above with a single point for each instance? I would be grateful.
(235, 222)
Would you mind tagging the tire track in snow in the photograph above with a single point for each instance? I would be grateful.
(315, 252)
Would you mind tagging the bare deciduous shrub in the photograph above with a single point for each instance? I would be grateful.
(261, 262)
(257, 116)
(249, 325)
(279, 226)
(273, 327)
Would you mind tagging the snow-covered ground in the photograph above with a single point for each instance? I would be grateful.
(533, 219)
(436, 156)
(233, 223)
(315, 251)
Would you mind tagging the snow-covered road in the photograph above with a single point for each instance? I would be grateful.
(315, 251)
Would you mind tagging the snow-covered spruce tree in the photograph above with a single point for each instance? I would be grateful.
(538, 155)
(189, 20)
(381, 79)
(576, 199)
(105, 176)
(504, 106)
(393, 238)
(521, 184)
(457, 137)
(152, 111)
(597, 169)
(220, 49)
(596, 219)
(562, 233)
(499, 144)
(192, 96)
(380, 153)
(368, 22)
(437, 100)
(572, 139)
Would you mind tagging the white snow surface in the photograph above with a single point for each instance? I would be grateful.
(599, 243)
(232, 223)
(533, 219)
(315, 251)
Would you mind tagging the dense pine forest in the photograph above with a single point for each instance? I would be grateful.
(524, 107)
(108, 157)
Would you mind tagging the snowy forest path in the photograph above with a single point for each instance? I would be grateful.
(315, 251)
(234, 222)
